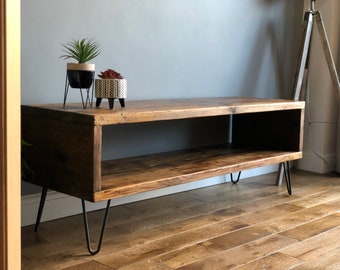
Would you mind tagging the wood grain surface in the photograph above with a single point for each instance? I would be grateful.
(251, 225)
(67, 144)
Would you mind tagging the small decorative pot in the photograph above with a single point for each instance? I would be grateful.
(80, 75)
(110, 89)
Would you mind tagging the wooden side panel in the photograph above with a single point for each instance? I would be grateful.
(277, 130)
(64, 156)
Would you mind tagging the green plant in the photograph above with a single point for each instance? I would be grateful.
(82, 50)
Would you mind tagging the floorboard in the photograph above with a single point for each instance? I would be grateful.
(251, 225)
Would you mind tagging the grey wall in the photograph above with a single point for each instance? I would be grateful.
(322, 104)
(165, 48)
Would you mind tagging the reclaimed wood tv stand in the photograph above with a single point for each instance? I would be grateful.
(66, 155)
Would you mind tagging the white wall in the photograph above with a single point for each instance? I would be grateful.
(165, 48)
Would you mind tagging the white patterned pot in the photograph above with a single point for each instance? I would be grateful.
(110, 89)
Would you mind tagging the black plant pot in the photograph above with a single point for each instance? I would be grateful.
(80, 75)
(80, 79)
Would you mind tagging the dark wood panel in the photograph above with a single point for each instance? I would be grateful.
(64, 156)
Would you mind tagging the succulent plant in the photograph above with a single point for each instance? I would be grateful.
(110, 74)
(82, 50)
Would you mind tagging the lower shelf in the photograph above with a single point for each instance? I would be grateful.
(133, 175)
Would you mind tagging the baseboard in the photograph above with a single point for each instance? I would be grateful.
(58, 205)
(313, 163)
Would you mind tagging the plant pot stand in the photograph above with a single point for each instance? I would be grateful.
(80, 76)
(88, 94)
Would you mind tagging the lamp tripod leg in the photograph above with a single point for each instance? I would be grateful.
(303, 55)
(310, 16)
(301, 71)
(328, 53)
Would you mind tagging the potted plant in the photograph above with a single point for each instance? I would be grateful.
(80, 74)
(111, 85)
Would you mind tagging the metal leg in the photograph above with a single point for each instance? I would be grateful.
(279, 175)
(82, 98)
(87, 234)
(41, 207)
(303, 55)
(67, 85)
(328, 54)
(92, 95)
(286, 168)
(238, 177)
(87, 98)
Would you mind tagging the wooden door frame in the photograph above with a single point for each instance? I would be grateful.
(10, 180)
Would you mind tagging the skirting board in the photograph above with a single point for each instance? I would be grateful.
(58, 205)
(313, 163)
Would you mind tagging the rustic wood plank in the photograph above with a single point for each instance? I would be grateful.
(140, 220)
(185, 253)
(156, 110)
(146, 265)
(177, 225)
(138, 174)
(314, 228)
(328, 261)
(299, 218)
(91, 265)
(327, 196)
(273, 261)
(199, 242)
(153, 249)
(316, 246)
(234, 257)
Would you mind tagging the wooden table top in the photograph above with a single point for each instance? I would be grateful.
(157, 110)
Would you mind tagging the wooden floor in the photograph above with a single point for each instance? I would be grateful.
(251, 225)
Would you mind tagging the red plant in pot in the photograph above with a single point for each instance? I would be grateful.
(110, 74)
(111, 85)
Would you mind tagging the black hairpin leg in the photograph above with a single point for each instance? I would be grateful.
(86, 225)
(286, 169)
(238, 178)
(41, 207)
